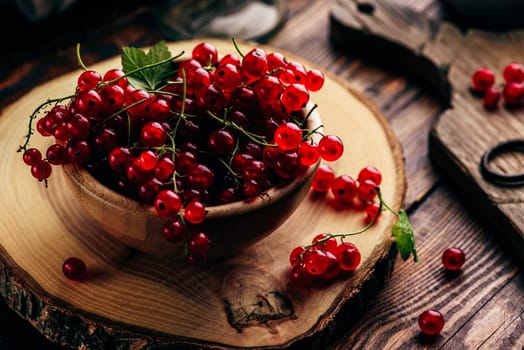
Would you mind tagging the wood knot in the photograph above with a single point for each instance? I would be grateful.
(252, 298)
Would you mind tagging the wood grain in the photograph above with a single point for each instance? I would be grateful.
(142, 300)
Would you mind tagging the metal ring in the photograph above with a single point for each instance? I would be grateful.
(497, 178)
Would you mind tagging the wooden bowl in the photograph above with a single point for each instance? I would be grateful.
(230, 227)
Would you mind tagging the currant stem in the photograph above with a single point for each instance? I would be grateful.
(79, 58)
(32, 117)
(253, 137)
(347, 234)
(235, 44)
(382, 203)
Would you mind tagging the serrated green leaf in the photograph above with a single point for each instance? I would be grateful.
(150, 78)
(404, 237)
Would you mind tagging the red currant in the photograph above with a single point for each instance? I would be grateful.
(206, 54)
(330, 147)
(117, 76)
(491, 98)
(78, 152)
(328, 244)
(294, 97)
(308, 153)
(483, 78)
(333, 269)
(453, 258)
(288, 136)
(372, 211)
(513, 72)
(88, 80)
(366, 190)
(32, 156)
(348, 256)
(323, 178)
(174, 230)
(300, 275)
(153, 134)
(227, 76)
(314, 80)
(74, 269)
(294, 256)
(167, 204)
(56, 154)
(254, 64)
(147, 160)
(512, 93)
(41, 170)
(431, 322)
(344, 189)
(316, 261)
(119, 159)
(194, 212)
(370, 173)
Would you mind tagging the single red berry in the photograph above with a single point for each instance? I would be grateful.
(159, 109)
(513, 93)
(513, 72)
(323, 178)
(294, 97)
(137, 102)
(294, 256)
(330, 147)
(153, 134)
(333, 269)
(32, 156)
(254, 64)
(227, 77)
(366, 190)
(42, 128)
(276, 60)
(167, 204)
(79, 126)
(113, 98)
(370, 173)
(299, 72)
(119, 159)
(483, 78)
(78, 152)
(491, 98)
(372, 211)
(206, 54)
(74, 269)
(199, 243)
(268, 89)
(195, 212)
(88, 103)
(117, 76)
(164, 169)
(230, 58)
(314, 80)
(431, 322)
(200, 176)
(344, 189)
(348, 256)
(316, 262)
(288, 136)
(88, 80)
(300, 275)
(147, 160)
(174, 230)
(308, 153)
(56, 154)
(453, 258)
(41, 170)
(221, 142)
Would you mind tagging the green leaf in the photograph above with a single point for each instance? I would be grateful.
(404, 237)
(149, 78)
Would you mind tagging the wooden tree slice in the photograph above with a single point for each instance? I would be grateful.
(445, 58)
(134, 300)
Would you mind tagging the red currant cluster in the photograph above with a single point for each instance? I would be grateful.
(325, 258)
(512, 91)
(346, 191)
(217, 130)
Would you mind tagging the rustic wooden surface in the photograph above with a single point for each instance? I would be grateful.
(245, 300)
(483, 304)
(445, 58)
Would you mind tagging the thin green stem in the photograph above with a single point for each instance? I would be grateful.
(79, 58)
(235, 44)
(388, 208)
(120, 111)
(253, 137)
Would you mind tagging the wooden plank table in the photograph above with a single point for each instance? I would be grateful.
(483, 304)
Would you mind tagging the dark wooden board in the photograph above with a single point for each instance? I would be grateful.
(444, 57)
